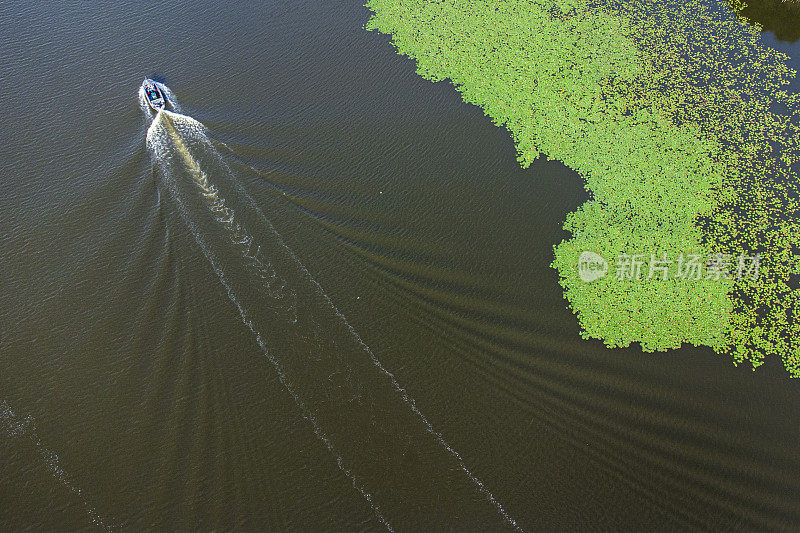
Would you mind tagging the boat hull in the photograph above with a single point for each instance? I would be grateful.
(154, 96)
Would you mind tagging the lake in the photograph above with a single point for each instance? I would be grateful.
(331, 308)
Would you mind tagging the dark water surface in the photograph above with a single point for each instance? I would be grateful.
(173, 340)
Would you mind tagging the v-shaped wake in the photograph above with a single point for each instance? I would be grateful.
(377, 435)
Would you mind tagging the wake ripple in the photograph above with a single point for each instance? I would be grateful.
(25, 428)
(369, 435)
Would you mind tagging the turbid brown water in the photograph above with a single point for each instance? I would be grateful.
(336, 312)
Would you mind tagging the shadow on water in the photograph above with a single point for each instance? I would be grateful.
(781, 17)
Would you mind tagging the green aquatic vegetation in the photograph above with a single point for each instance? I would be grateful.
(666, 110)
(710, 69)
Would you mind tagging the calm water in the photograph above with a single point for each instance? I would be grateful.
(330, 309)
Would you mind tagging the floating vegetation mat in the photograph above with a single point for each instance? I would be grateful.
(675, 115)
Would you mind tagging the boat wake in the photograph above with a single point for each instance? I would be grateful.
(381, 441)
(25, 428)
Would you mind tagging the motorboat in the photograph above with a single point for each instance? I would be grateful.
(155, 97)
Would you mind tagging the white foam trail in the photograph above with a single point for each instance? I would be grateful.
(25, 428)
(399, 389)
(406, 398)
(239, 236)
(306, 412)
(225, 216)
